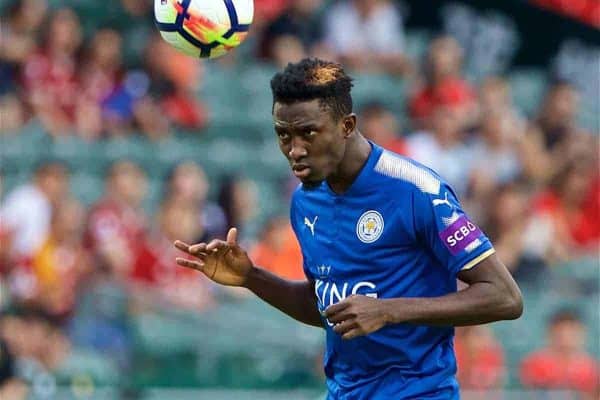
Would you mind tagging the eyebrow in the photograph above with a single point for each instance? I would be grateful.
(281, 124)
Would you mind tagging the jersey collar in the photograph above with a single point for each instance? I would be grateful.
(363, 181)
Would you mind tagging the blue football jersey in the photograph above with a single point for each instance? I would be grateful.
(398, 231)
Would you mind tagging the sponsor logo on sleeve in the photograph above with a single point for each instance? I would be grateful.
(459, 235)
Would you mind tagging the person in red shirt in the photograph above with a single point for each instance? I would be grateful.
(155, 272)
(443, 85)
(571, 209)
(563, 363)
(116, 224)
(50, 76)
(479, 357)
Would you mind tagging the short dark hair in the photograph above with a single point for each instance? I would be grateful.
(373, 108)
(312, 78)
(564, 315)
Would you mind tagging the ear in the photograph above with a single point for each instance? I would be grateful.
(349, 125)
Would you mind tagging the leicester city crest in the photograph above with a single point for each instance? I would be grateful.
(369, 226)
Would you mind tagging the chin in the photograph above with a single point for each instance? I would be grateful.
(311, 181)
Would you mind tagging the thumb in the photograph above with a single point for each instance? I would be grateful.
(232, 237)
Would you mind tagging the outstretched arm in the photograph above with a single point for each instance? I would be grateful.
(492, 295)
(294, 298)
(226, 263)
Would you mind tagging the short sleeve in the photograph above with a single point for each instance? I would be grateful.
(447, 232)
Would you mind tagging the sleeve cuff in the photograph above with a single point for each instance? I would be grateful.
(478, 259)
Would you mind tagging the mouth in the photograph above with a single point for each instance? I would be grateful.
(301, 171)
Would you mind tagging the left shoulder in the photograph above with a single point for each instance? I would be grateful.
(409, 173)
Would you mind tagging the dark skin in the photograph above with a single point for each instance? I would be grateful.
(320, 147)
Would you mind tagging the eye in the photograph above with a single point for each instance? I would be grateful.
(309, 133)
(283, 136)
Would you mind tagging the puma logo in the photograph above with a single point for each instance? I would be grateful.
(311, 225)
(438, 202)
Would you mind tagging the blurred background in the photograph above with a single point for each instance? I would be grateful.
(112, 145)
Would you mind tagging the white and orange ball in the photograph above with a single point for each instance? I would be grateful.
(203, 28)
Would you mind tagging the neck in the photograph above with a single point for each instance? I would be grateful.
(356, 155)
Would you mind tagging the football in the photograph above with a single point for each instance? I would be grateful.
(203, 28)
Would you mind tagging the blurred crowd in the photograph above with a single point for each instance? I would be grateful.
(531, 181)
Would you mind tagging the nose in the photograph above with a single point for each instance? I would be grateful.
(297, 150)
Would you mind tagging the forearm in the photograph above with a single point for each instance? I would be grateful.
(296, 299)
(480, 303)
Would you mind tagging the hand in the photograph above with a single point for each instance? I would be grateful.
(223, 262)
(356, 315)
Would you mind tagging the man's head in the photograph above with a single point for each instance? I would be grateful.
(378, 123)
(52, 178)
(561, 105)
(127, 183)
(312, 113)
(566, 332)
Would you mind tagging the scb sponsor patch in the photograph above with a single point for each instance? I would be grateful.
(460, 234)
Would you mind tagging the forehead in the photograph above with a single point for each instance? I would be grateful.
(300, 113)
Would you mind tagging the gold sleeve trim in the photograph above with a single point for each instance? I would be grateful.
(478, 259)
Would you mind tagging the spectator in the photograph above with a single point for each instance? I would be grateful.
(62, 262)
(563, 363)
(38, 346)
(294, 33)
(238, 199)
(480, 358)
(557, 117)
(442, 148)
(443, 86)
(99, 78)
(13, 113)
(266, 11)
(381, 126)
(11, 388)
(136, 28)
(27, 210)
(49, 76)
(18, 39)
(116, 224)
(526, 143)
(558, 130)
(494, 95)
(174, 79)
(495, 158)
(278, 251)
(284, 49)
(367, 35)
(155, 267)
(188, 184)
(510, 226)
(568, 211)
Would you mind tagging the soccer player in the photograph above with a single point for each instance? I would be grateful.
(384, 240)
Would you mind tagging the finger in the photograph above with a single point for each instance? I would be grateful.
(339, 317)
(344, 326)
(197, 265)
(197, 249)
(216, 244)
(335, 308)
(351, 334)
(232, 236)
(181, 245)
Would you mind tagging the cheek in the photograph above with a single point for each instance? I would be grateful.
(285, 149)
